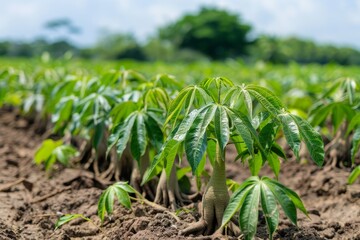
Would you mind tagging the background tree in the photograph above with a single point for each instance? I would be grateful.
(216, 33)
(117, 46)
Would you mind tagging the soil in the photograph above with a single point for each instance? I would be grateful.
(31, 200)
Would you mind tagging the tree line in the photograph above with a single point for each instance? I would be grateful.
(209, 34)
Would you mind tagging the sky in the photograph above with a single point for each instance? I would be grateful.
(325, 21)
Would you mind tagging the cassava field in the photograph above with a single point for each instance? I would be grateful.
(129, 150)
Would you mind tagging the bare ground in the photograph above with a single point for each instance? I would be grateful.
(31, 200)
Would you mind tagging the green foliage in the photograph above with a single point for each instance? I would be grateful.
(269, 194)
(117, 46)
(293, 49)
(354, 175)
(51, 151)
(121, 191)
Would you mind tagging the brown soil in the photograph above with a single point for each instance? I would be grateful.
(31, 200)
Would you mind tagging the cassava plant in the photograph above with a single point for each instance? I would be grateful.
(217, 113)
(51, 151)
(334, 111)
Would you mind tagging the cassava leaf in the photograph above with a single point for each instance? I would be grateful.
(106, 201)
(355, 144)
(269, 207)
(291, 132)
(237, 199)
(354, 175)
(312, 139)
(249, 211)
(222, 130)
(195, 140)
(138, 137)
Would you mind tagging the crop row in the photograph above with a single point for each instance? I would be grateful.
(144, 132)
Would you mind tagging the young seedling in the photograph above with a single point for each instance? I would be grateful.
(122, 191)
(51, 151)
(69, 217)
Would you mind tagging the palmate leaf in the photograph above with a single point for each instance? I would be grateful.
(121, 191)
(237, 199)
(267, 192)
(195, 139)
(312, 139)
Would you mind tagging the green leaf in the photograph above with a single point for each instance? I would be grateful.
(248, 101)
(255, 164)
(267, 135)
(291, 132)
(291, 194)
(269, 207)
(354, 175)
(276, 148)
(120, 134)
(355, 121)
(274, 163)
(176, 105)
(195, 140)
(46, 149)
(106, 200)
(249, 213)
(355, 144)
(123, 197)
(180, 133)
(312, 139)
(138, 137)
(64, 153)
(237, 199)
(244, 128)
(98, 134)
(101, 205)
(122, 110)
(170, 147)
(155, 133)
(109, 200)
(67, 218)
(285, 201)
(319, 113)
(266, 98)
(222, 130)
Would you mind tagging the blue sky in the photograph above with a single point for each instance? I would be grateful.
(326, 21)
